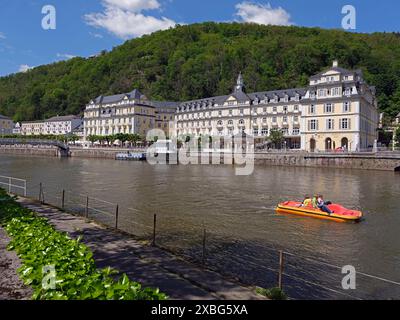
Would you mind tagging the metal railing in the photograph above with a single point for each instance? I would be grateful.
(13, 185)
(34, 142)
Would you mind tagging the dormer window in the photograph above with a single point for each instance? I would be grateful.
(347, 92)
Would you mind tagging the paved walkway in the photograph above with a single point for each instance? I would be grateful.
(153, 267)
(11, 287)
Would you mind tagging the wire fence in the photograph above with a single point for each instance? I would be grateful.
(250, 262)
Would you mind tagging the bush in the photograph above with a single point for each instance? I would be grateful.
(273, 294)
(39, 245)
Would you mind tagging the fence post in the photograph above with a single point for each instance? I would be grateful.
(204, 247)
(87, 207)
(154, 230)
(63, 200)
(116, 217)
(40, 192)
(280, 274)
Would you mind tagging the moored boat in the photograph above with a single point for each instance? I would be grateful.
(340, 213)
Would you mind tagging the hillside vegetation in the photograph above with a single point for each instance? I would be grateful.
(203, 60)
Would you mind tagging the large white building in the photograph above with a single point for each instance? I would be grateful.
(337, 110)
(60, 125)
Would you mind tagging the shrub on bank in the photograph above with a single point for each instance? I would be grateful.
(41, 247)
(273, 294)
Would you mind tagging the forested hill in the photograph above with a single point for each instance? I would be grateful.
(204, 60)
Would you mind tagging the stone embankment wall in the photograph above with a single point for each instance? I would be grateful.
(367, 161)
(386, 162)
(30, 151)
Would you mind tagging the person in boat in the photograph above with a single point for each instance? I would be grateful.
(314, 201)
(307, 202)
(322, 205)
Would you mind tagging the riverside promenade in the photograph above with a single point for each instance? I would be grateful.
(151, 266)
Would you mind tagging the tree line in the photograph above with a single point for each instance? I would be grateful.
(203, 60)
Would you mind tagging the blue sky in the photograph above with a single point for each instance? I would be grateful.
(85, 27)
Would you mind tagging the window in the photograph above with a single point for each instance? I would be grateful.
(265, 110)
(255, 131)
(241, 122)
(230, 122)
(219, 123)
(296, 108)
(313, 125)
(285, 119)
(329, 108)
(321, 92)
(347, 107)
(264, 120)
(296, 131)
(345, 124)
(264, 131)
(347, 92)
(220, 113)
(274, 119)
(285, 109)
(296, 118)
(311, 109)
(335, 92)
(230, 112)
(241, 112)
(275, 109)
(330, 124)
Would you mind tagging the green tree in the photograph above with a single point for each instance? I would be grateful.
(277, 138)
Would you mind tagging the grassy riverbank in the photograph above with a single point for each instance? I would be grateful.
(58, 267)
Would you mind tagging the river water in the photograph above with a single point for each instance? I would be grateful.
(243, 232)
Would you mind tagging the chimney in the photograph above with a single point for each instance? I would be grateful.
(335, 63)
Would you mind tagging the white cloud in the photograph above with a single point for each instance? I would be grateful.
(65, 56)
(125, 19)
(24, 68)
(96, 35)
(262, 14)
(2, 35)
(133, 5)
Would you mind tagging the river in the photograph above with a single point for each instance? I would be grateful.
(243, 231)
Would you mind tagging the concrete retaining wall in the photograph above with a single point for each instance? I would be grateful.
(356, 161)
(386, 162)
(23, 150)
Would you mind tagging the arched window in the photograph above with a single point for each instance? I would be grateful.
(220, 123)
(230, 122)
(241, 121)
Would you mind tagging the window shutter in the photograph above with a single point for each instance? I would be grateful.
(317, 125)
(349, 124)
(309, 125)
(333, 108)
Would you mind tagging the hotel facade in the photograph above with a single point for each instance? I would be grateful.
(337, 109)
(60, 125)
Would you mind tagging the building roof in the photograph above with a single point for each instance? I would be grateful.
(338, 70)
(135, 94)
(62, 118)
(290, 93)
(4, 117)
